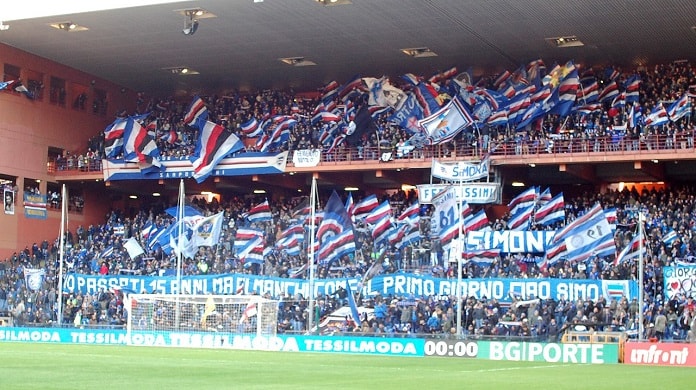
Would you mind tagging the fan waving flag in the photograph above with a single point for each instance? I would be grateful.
(335, 233)
(447, 122)
(138, 145)
(113, 137)
(679, 108)
(197, 112)
(260, 213)
(214, 143)
(206, 232)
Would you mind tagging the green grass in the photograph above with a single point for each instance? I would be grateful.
(51, 366)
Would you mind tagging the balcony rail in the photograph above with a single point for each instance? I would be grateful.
(500, 150)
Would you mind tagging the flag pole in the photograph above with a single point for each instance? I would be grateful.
(460, 259)
(312, 214)
(61, 253)
(640, 275)
(179, 253)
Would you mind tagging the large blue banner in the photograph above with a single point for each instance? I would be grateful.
(400, 284)
(248, 163)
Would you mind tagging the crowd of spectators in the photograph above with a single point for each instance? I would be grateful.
(666, 209)
(602, 130)
(543, 319)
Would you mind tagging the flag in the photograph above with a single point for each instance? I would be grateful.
(379, 212)
(133, 247)
(366, 205)
(447, 122)
(246, 239)
(24, 91)
(260, 213)
(477, 222)
(589, 90)
(563, 97)
(335, 233)
(536, 110)
(350, 204)
(520, 219)
(181, 237)
(353, 307)
(444, 223)
(170, 137)
(6, 84)
(619, 101)
(551, 212)
(197, 112)
(381, 229)
(207, 230)
(410, 214)
(669, 237)
(408, 114)
(609, 92)
(251, 128)
(657, 117)
(633, 117)
(633, 89)
(350, 88)
(214, 143)
(632, 251)
(481, 256)
(382, 93)
(361, 125)
(249, 311)
(524, 199)
(588, 109)
(188, 211)
(544, 197)
(499, 118)
(427, 95)
(336, 246)
(138, 145)
(34, 278)
(516, 107)
(501, 78)
(209, 309)
(113, 137)
(679, 108)
(584, 237)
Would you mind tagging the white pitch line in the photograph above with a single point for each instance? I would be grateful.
(511, 369)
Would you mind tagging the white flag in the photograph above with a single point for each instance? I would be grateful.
(134, 249)
(206, 232)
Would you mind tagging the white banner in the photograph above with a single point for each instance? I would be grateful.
(474, 193)
(306, 157)
(461, 170)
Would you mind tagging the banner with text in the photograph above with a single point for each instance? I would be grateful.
(461, 170)
(474, 193)
(549, 352)
(679, 280)
(660, 354)
(35, 206)
(390, 284)
(220, 340)
(306, 158)
(510, 241)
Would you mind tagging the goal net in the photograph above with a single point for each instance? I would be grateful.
(222, 314)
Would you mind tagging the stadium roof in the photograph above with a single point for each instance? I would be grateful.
(239, 43)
